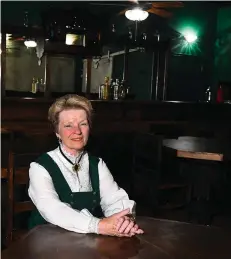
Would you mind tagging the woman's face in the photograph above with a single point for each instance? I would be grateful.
(73, 130)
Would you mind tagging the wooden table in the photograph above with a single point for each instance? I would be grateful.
(198, 148)
(163, 239)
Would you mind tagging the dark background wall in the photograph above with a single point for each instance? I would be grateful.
(190, 72)
(223, 44)
(139, 72)
(190, 68)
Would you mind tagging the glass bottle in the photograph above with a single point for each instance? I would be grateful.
(127, 90)
(208, 94)
(33, 85)
(41, 86)
(101, 89)
(122, 90)
(106, 88)
(116, 90)
(37, 85)
(220, 94)
(111, 89)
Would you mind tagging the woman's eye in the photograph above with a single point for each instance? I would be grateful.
(67, 126)
(84, 124)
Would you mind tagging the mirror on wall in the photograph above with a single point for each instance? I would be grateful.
(26, 69)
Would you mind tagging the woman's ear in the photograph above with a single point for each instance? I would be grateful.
(57, 135)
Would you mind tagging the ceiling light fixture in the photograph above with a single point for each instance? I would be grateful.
(30, 43)
(136, 14)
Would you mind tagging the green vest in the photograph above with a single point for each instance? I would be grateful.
(77, 200)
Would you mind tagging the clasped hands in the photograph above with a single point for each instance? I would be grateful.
(119, 224)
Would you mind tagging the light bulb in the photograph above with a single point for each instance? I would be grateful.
(136, 14)
(190, 37)
(30, 43)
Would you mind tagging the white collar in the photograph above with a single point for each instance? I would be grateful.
(70, 156)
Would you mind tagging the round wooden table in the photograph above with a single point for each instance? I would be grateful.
(163, 239)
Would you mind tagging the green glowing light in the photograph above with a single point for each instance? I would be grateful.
(190, 36)
(188, 42)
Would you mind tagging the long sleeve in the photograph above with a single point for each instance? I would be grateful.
(113, 198)
(43, 195)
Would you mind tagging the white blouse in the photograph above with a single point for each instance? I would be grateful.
(42, 192)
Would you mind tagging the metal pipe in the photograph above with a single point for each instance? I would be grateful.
(88, 83)
(152, 75)
(47, 77)
(157, 75)
(165, 74)
(157, 69)
(125, 71)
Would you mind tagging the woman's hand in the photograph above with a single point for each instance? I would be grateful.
(108, 226)
(127, 225)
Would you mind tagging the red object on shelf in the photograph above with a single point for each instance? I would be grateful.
(220, 98)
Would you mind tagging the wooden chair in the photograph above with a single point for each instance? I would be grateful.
(147, 170)
(22, 148)
(18, 175)
(6, 137)
(6, 141)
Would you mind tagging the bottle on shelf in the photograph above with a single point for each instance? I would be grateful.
(106, 88)
(116, 90)
(101, 87)
(128, 90)
(33, 85)
(220, 98)
(41, 85)
(122, 90)
(112, 82)
(37, 85)
(208, 94)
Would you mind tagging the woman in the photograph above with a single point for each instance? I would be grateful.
(73, 189)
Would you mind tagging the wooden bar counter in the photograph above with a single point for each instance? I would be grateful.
(125, 116)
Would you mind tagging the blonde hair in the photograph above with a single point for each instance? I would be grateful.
(67, 102)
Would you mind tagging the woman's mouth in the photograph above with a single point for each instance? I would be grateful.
(77, 139)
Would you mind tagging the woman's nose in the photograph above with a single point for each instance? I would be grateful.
(77, 130)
